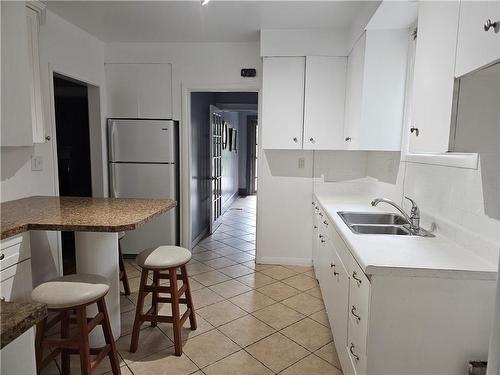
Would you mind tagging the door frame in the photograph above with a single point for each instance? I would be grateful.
(185, 146)
(98, 162)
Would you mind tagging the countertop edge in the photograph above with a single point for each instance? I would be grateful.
(37, 313)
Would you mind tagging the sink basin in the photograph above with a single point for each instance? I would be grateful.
(372, 218)
(380, 229)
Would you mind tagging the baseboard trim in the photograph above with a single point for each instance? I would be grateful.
(202, 235)
(284, 261)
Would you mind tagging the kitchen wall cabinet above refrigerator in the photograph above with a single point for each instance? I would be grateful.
(303, 102)
(139, 90)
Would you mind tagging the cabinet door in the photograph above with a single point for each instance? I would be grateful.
(154, 91)
(15, 282)
(354, 94)
(476, 46)
(340, 295)
(122, 88)
(283, 102)
(324, 102)
(16, 118)
(434, 75)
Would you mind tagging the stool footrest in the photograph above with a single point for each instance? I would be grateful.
(100, 356)
(61, 343)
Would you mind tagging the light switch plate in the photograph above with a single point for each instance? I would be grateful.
(36, 163)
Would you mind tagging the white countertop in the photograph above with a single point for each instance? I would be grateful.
(397, 255)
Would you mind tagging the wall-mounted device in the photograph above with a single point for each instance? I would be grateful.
(248, 72)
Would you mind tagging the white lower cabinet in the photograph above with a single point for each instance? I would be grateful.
(399, 323)
(15, 269)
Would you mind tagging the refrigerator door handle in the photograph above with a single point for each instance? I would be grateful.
(112, 141)
(114, 181)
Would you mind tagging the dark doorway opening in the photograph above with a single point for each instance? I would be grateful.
(73, 151)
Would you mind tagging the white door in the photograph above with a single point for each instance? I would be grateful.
(218, 136)
(433, 80)
(477, 46)
(283, 102)
(324, 102)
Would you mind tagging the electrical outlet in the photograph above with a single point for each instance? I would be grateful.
(302, 163)
(36, 163)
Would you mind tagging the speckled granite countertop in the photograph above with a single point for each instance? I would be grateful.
(78, 214)
(17, 317)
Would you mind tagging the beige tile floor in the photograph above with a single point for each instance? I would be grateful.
(252, 319)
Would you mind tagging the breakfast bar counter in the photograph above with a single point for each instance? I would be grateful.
(96, 223)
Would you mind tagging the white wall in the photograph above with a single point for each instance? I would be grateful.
(73, 52)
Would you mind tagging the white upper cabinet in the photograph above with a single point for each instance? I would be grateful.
(324, 102)
(16, 129)
(283, 102)
(375, 97)
(478, 42)
(139, 90)
(433, 80)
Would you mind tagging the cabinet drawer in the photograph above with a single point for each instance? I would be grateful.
(14, 250)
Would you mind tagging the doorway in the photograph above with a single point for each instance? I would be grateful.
(223, 155)
(71, 103)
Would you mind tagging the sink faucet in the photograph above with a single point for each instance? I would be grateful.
(413, 219)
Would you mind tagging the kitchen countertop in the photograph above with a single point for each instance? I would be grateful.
(17, 318)
(409, 255)
(79, 214)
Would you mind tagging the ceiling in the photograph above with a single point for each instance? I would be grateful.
(189, 21)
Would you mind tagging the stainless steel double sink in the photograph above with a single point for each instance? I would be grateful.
(377, 223)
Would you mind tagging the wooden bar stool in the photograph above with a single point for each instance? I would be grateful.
(123, 271)
(164, 261)
(68, 296)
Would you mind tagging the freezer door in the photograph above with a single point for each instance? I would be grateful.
(143, 141)
(129, 180)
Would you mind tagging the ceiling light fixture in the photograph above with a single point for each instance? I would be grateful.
(204, 2)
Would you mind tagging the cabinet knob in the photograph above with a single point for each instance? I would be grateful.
(323, 241)
(47, 138)
(414, 130)
(495, 25)
(312, 140)
(348, 139)
(2, 256)
(295, 139)
(325, 222)
(2, 299)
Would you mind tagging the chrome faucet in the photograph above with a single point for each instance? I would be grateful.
(413, 219)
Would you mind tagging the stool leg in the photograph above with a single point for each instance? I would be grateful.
(65, 361)
(123, 271)
(138, 312)
(83, 341)
(172, 275)
(189, 298)
(156, 283)
(108, 337)
(40, 334)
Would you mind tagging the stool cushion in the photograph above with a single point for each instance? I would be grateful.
(163, 257)
(71, 291)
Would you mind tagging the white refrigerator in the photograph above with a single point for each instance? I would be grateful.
(143, 163)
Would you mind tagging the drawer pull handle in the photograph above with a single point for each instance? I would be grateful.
(351, 349)
(2, 256)
(355, 277)
(353, 312)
